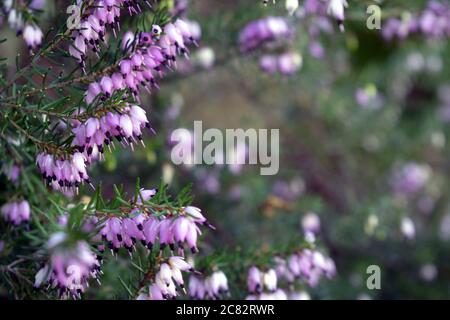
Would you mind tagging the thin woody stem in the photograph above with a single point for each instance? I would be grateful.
(29, 110)
(22, 71)
(26, 134)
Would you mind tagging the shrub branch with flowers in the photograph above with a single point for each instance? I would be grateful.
(86, 90)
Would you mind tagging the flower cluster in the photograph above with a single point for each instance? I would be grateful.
(16, 212)
(307, 265)
(410, 178)
(167, 281)
(257, 280)
(70, 267)
(11, 171)
(333, 8)
(266, 31)
(169, 230)
(64, 173)
(148, 53)
(263, 285)
(286, 63)
(32, 34)
(92, 28)
(94, 133)
(432, 22)
(211, 287)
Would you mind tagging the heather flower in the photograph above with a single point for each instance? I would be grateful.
(316, 50)
(32, 35)
(407, 228)
(37, 4)
(285, 64)
(168, 281)
(336, 9)
(264, 31)
(254, 280)
(12, 172)
(126, 127)
(311, 222)
(16, 212)
(431, 22)
(291, 6)
(69, 268)
(204, 58)
(410, 178)
(63, 173)
(307, 265)
(180, 230)
(288, 191)
(428, 272)
(270, 280)
(149, 56)
(211, 287)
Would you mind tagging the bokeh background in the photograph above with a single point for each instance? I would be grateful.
(364, 144)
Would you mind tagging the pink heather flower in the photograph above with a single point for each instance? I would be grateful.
(254, 280)
(16, 212)
(431, 22)
(151, 54)
(151, 231)
(264, 31)
(69, 269)
(12, 172)
(170, 231)
(127, 40)
(37, 4)
(146, 195)
(92, 135)
(286, 64)
(63, 174)
(410, 178)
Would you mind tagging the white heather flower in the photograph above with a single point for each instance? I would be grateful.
(205, 57)
(270, 280)
(428, 272)
(195, 213)
(42, 276)
(407, 228)
(336, 9)
(311, 223)
(291, 6)
(165, 273)
(56, 239)
(33, 36)
(179, 263)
